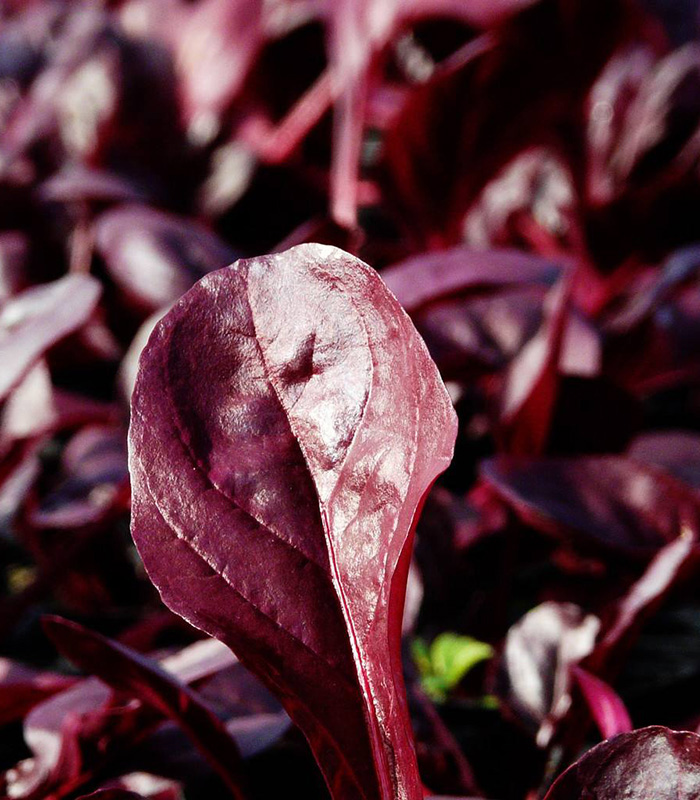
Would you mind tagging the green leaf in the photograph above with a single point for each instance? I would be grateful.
(421, 657)
(448, 659)
(452, 656)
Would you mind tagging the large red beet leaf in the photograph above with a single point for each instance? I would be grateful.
(287, 422)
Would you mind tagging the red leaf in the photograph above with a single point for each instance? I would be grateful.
(531, 384)
(63, 731)
(127, 671)
(643, 598)
(359, 32)
(216, 44)
(650, 762)
(606, 707)
(286, 424)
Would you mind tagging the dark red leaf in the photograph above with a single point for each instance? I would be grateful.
(286, 424)
(609, 500)
(648, 763)
(642, 599)
(128, 671)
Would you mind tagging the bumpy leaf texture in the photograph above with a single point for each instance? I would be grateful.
(650, 762)
(287, 423)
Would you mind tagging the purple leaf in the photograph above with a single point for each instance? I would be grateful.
(77, 183)
(431, 276)
(128, 369)
(647, 763)
(286, 424)
(661, 121)
(535, 669)
(254, 717)
(51, 732)
(33, 321)
(676, 452)
(138, 785)
(35, 407)
(155, 257)
(56, 728)
(200, 660)
(609, 500)
(606, 707)
(128, 671)
(94, 480)
(22, 687)
(479, 332)
(608, 107)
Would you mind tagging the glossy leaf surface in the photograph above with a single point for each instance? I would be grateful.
(650, 762)
(287, 422)
(606, 707)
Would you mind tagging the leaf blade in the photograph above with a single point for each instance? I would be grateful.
(299, 454)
